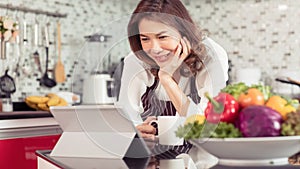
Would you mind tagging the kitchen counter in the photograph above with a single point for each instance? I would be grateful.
(47, 162)
(28, 127)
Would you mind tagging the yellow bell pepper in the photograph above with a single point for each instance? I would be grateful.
(280, 105)
(196, 117)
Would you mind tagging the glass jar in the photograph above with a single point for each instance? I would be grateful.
(7, 105)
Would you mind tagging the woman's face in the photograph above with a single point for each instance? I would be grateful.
(159, 41)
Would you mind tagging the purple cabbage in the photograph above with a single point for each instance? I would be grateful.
(259, 121)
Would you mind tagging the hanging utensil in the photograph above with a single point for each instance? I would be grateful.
(59, 69)
(7, 83)
(16, 50)
(25, 40)
(288, 81)
(36, 33)
(296, 82)
(16, 54)
(45, 80)
(2, 48)
(36, 42)
(37, 61)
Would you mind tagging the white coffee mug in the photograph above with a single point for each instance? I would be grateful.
(167, 126)
(172, 164)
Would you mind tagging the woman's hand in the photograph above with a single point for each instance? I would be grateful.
(147, 131)
(182, 51)
(168, 78)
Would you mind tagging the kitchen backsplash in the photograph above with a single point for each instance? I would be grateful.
(255, 33)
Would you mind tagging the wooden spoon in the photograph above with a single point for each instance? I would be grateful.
(59, 70)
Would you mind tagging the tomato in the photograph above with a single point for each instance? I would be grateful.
(252, 96)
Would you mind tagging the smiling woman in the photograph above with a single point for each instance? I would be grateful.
(159, 41)
(172, 65)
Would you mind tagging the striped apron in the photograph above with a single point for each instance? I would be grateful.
(155, 107)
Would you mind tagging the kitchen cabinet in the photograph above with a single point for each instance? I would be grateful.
(21, 137)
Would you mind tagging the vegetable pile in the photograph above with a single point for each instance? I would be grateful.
(244, 111)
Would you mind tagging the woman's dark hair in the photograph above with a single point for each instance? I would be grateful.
(174, 14)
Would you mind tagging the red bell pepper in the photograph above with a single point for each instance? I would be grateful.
(223, 107)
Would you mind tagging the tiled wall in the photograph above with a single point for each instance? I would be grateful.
(255, 33)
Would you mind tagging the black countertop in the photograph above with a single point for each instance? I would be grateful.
(22, 111)
(24, 114)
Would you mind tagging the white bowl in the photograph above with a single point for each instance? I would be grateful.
(251, 151)
(70, 97)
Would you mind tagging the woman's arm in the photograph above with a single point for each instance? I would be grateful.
(166, 76)
(211, 79)
(176, 95)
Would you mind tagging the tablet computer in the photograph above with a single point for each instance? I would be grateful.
(103, 131)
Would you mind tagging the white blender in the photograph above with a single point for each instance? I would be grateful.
(98, 87)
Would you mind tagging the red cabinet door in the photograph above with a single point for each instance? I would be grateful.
(19, 153)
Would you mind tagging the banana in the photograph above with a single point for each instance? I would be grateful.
(43, 106)
(37, 99)
(53, 101)
(32, 105)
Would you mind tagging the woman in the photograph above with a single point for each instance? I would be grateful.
(173, 64)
